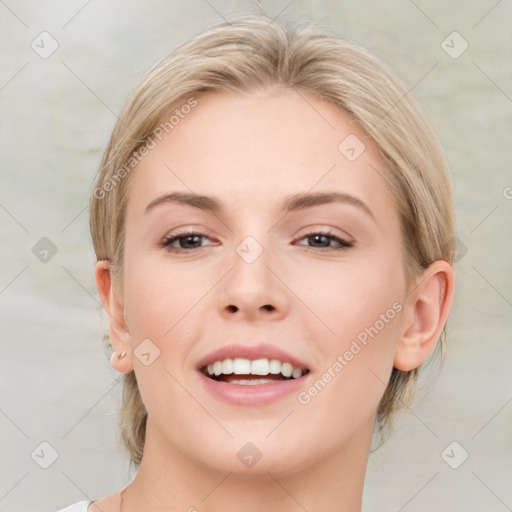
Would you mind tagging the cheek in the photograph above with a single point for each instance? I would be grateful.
(354, 296)
(165, 305)
(158, 295)
(361, 306)
(356, 366)
(158, 300)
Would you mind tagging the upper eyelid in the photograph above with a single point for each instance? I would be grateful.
(328, 232)
(313, 231)
(342, 240)
(183, 234)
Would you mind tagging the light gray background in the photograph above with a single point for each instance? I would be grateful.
(57, 113)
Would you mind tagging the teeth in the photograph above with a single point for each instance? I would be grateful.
(297, 372)
(241, 366)
(286, 370)
(228, 367)
(275, 366)
(261, 367)
(251, 382)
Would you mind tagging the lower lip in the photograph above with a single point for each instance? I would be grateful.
(259, 394)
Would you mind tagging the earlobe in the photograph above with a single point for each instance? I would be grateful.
(121, 362)
(118, 331)
(426, 311)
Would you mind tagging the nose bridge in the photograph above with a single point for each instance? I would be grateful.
(251, 288)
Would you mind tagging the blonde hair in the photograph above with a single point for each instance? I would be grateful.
(251, 53)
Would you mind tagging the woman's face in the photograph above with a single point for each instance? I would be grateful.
(295, 258)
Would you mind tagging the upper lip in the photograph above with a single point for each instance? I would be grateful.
(252, 352)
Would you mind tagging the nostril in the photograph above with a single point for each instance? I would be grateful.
(233, 308)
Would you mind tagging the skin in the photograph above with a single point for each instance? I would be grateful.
(251, 151)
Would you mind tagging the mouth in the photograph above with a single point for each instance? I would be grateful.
(252, 375)
(246, 372)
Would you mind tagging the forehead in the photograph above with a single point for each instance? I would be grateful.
(253, 149)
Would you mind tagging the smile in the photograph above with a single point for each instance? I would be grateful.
(246, 372)
(252, 375)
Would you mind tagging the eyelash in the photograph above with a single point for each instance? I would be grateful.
(166, 242)
(343, 244)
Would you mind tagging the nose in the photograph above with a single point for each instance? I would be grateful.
(253, 290)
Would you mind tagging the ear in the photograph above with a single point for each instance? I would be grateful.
(122, 358)
(427, 308)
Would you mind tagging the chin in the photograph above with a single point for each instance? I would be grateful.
(251, 454)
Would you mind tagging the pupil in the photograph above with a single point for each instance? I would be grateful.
(190, 239)
(317, 238)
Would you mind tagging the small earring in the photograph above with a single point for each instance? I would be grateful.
(121, 355)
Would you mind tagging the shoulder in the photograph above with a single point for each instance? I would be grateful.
(81, 506)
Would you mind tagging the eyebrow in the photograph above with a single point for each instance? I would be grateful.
(295, 202)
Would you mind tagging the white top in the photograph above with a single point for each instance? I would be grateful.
(81, 506)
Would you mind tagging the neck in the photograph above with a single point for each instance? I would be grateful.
(168, 480)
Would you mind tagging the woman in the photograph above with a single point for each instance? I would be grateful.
(274, 228)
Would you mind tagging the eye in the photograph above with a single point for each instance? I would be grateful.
(183, 242)
(322, 240)
(191, 240)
